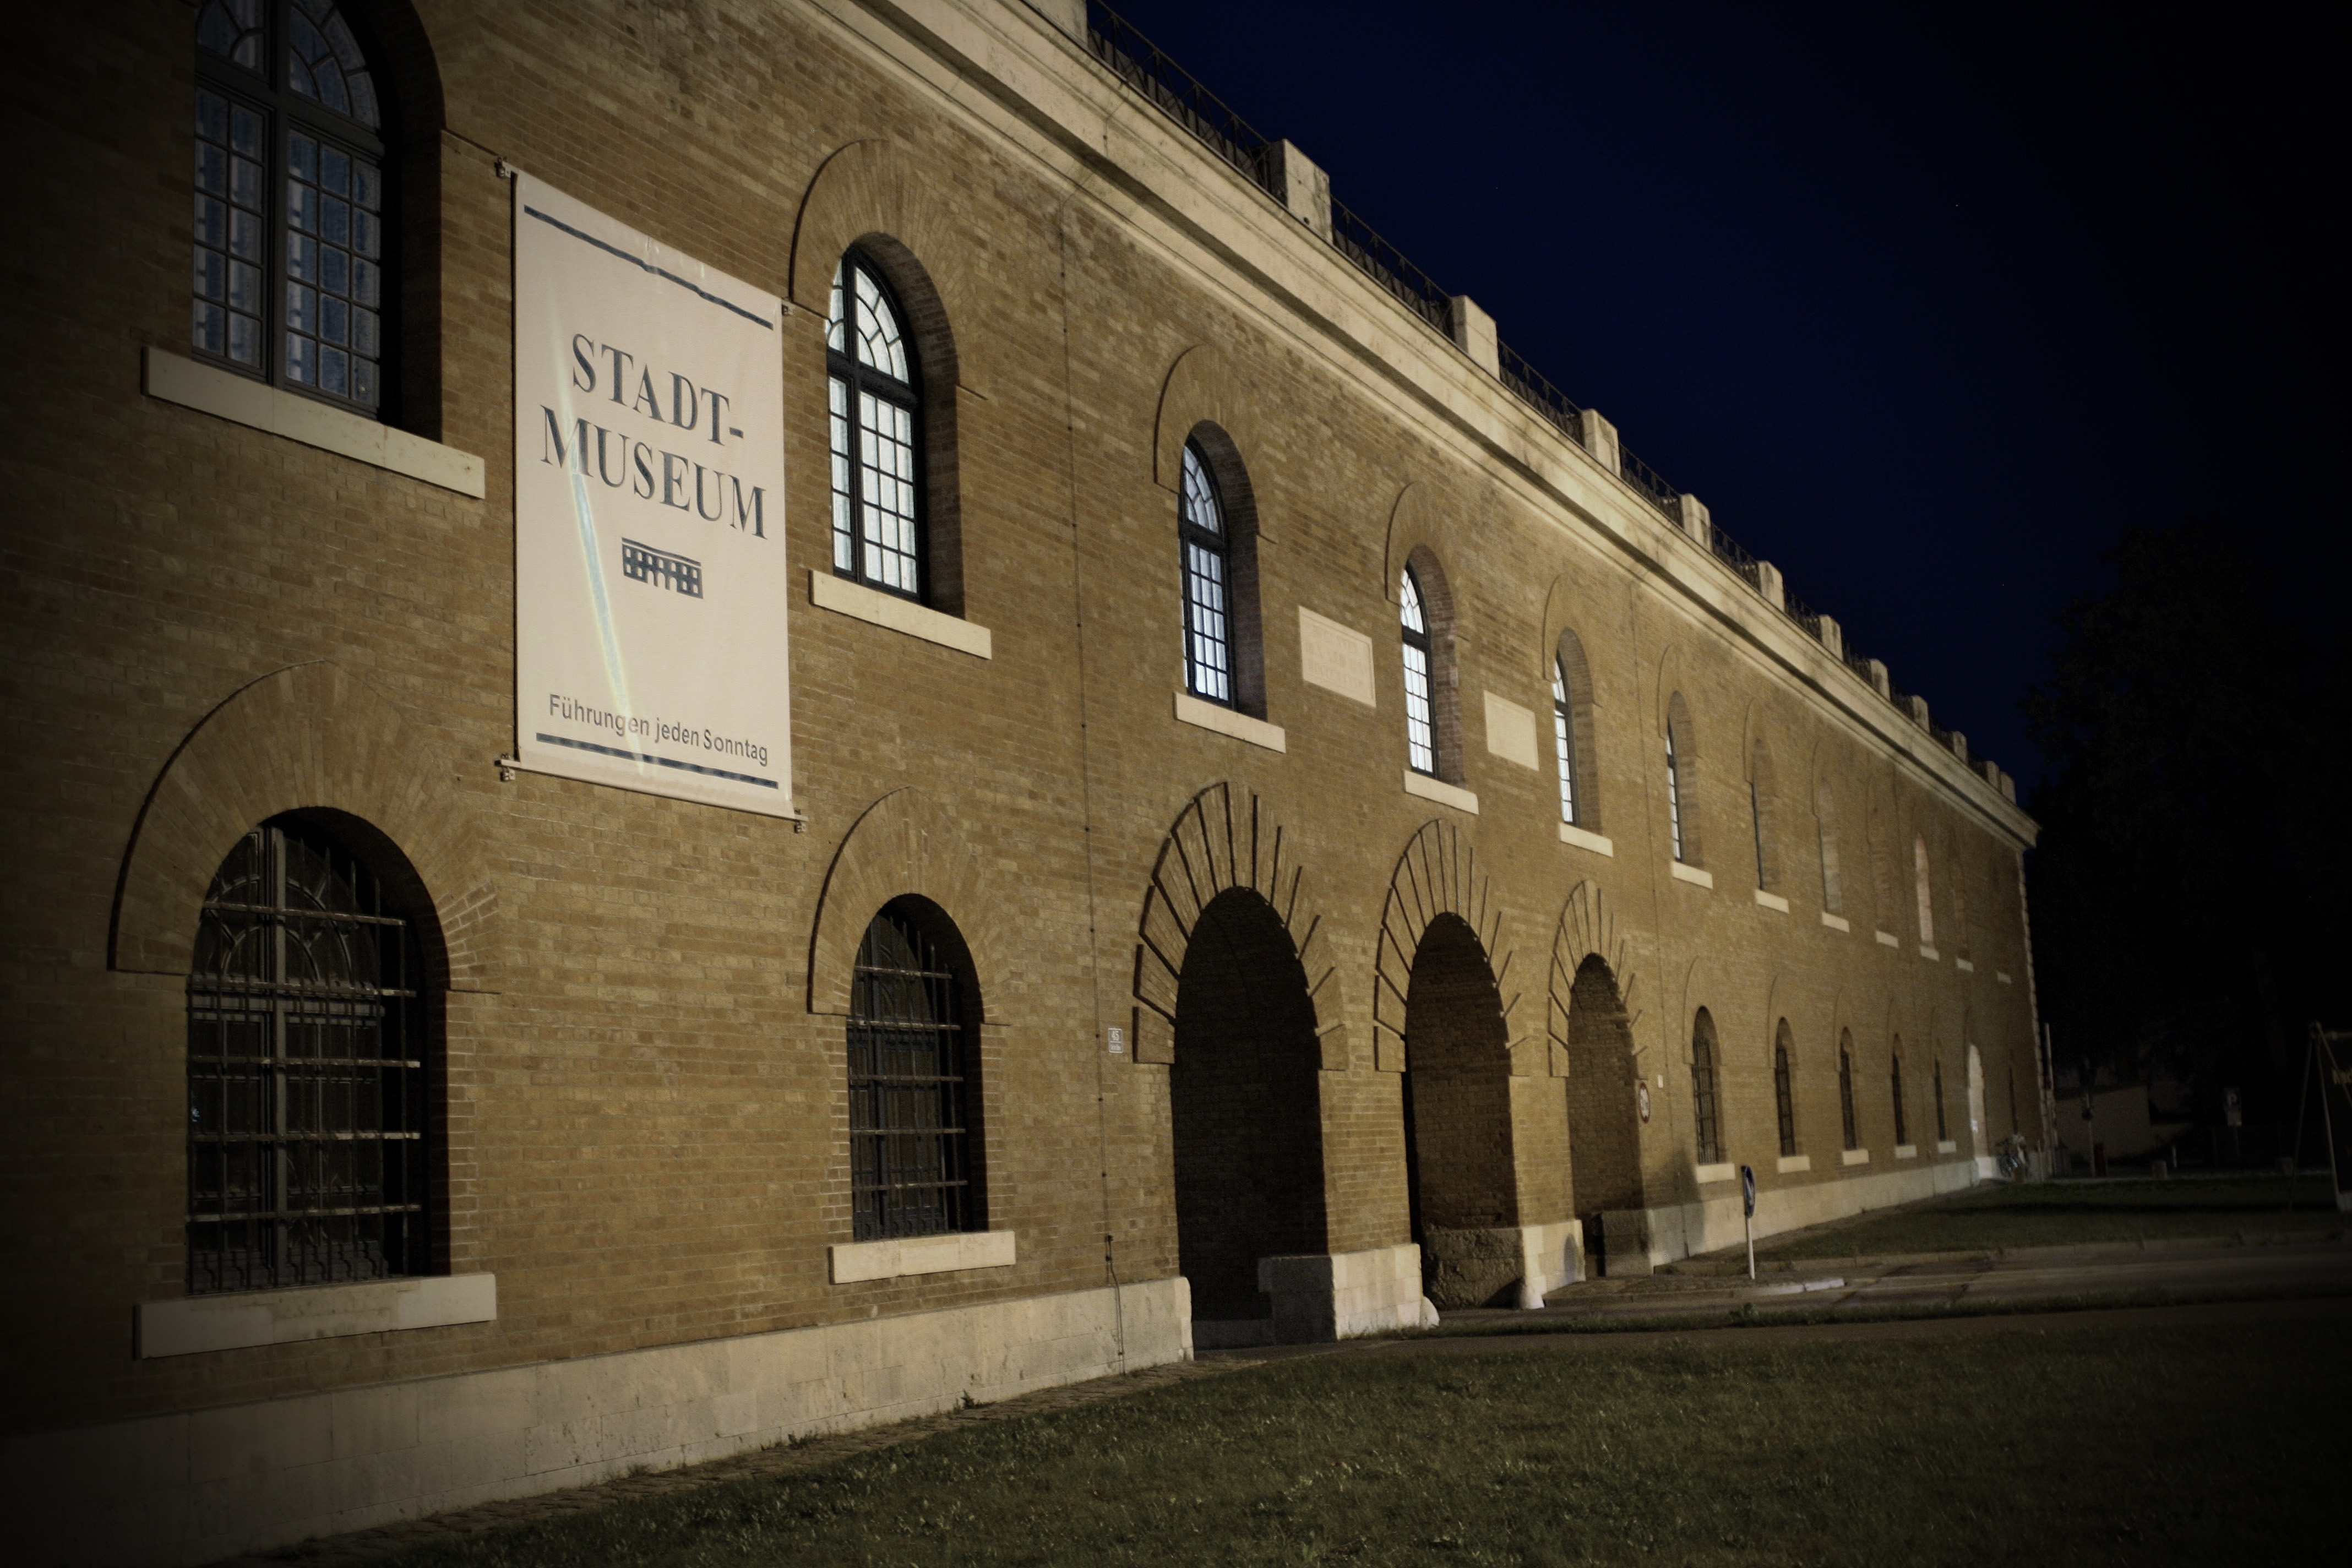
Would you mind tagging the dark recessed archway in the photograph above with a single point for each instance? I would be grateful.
(1604, 1134)
(1457, 1112)
(1245, 1107)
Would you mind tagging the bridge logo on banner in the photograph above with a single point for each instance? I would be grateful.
(649, 515)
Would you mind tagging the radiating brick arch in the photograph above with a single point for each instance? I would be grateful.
(1588, 929)
(1438, 874)
(906, 842)
(1226, 837)
(311, 736)
(1202, 387)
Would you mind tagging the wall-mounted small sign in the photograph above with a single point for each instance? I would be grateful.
(1117, 1039)
(1642, 1096)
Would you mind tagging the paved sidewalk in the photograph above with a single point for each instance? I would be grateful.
(1962, 1281)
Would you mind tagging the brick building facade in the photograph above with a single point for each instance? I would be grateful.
(1262, 1030)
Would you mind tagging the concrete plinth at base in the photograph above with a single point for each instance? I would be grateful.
(1640, 1240)
(200, 1485)
(1502, 1266)
(1323, 1296)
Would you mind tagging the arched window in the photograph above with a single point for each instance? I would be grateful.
(1681, 823)
(1826, 826)
(1761, 794)
(1943, 1134)
(308, 1044)
(1563, 740)
(1573, 736)
(1958, 878)
(1703, 1107)
(876, 405)
(1419, 709)
(293, 198)
(913, 1141)
(1845, 1089)
(1784, 1098)
(1205, 545)
(1895, 1080)
(1926, 905)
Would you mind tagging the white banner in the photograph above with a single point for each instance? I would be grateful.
(649, 515)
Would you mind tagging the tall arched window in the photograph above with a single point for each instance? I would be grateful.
(1784, 1097)
(1702, 1105)
(1420, 708)
(1845, 1089)
(1894, 1081)
(1573, 733)
(1563, 742)
(1681, 823)
(1926, 904)
(1762, 795)
(1943, 1134)
(914, 1147)
(307, 1044)
(1205, 545)
(293, 196)
(876, 404)
(1959, 877)
(1825, 827)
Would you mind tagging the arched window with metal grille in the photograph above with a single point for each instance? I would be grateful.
(1205, 544)
(1943, 1132)
(1784, 1095)
(874, 394)
(913, 1134)
(1563, 742)
(1894, 1081)
(309, 1046)
(1702, 1103)
(293, 201)
(1845, 1089)
(1682, 822)
(1420, 713)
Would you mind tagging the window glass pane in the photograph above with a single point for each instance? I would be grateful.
(1207, 664)
(887, 492)
(1200, 500)
(836, 325)
(1408, 600)
(1420, 737)
(228, 232)
(909, 1160)
(232, 30)
(1564, 744)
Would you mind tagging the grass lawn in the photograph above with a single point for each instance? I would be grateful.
(2191, 1444)
(2056, 1214)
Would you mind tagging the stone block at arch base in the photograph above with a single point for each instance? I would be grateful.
(1320, 1297)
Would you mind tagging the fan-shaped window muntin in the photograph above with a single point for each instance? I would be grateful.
(1675, 797)
(291, 211)
(1419, 721)
(911, 1149)
(307, 1038)
(1207, 546)
(875, 420)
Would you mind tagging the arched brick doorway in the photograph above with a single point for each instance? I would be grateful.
(1244, 1105)
(1604, 1133)
(1460, 1178)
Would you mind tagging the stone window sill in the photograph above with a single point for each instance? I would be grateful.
(241, 1321)
(1948, 1147)
(1929, 953)
(1571, 833)
(860, 602)
(1709, 1173)
(1191, 709)
(1835, 922)
(1887, 939)
(1906, 1150)
(1788, 1164)
(241, 400)
(1691, 874)
(1438, 790)
(897, 1259)
(2002, 975)
(1854, 1157)
(1964, 966)
(1771, 900)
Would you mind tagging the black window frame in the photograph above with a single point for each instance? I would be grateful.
(1845, 1095)
(1563, 735)
(1195, 540)
(285, 111)
(1706, 1114)
(841, 364)
(1784, 1101)
(1902, 1115)
(913, 1131)
(1675, 800)
(1417, 639)
(290, 1097)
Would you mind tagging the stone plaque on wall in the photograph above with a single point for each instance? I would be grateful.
(1336, 657)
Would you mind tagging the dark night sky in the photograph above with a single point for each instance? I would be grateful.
(1926, 305)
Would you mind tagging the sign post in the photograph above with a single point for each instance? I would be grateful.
(1748, 1212)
